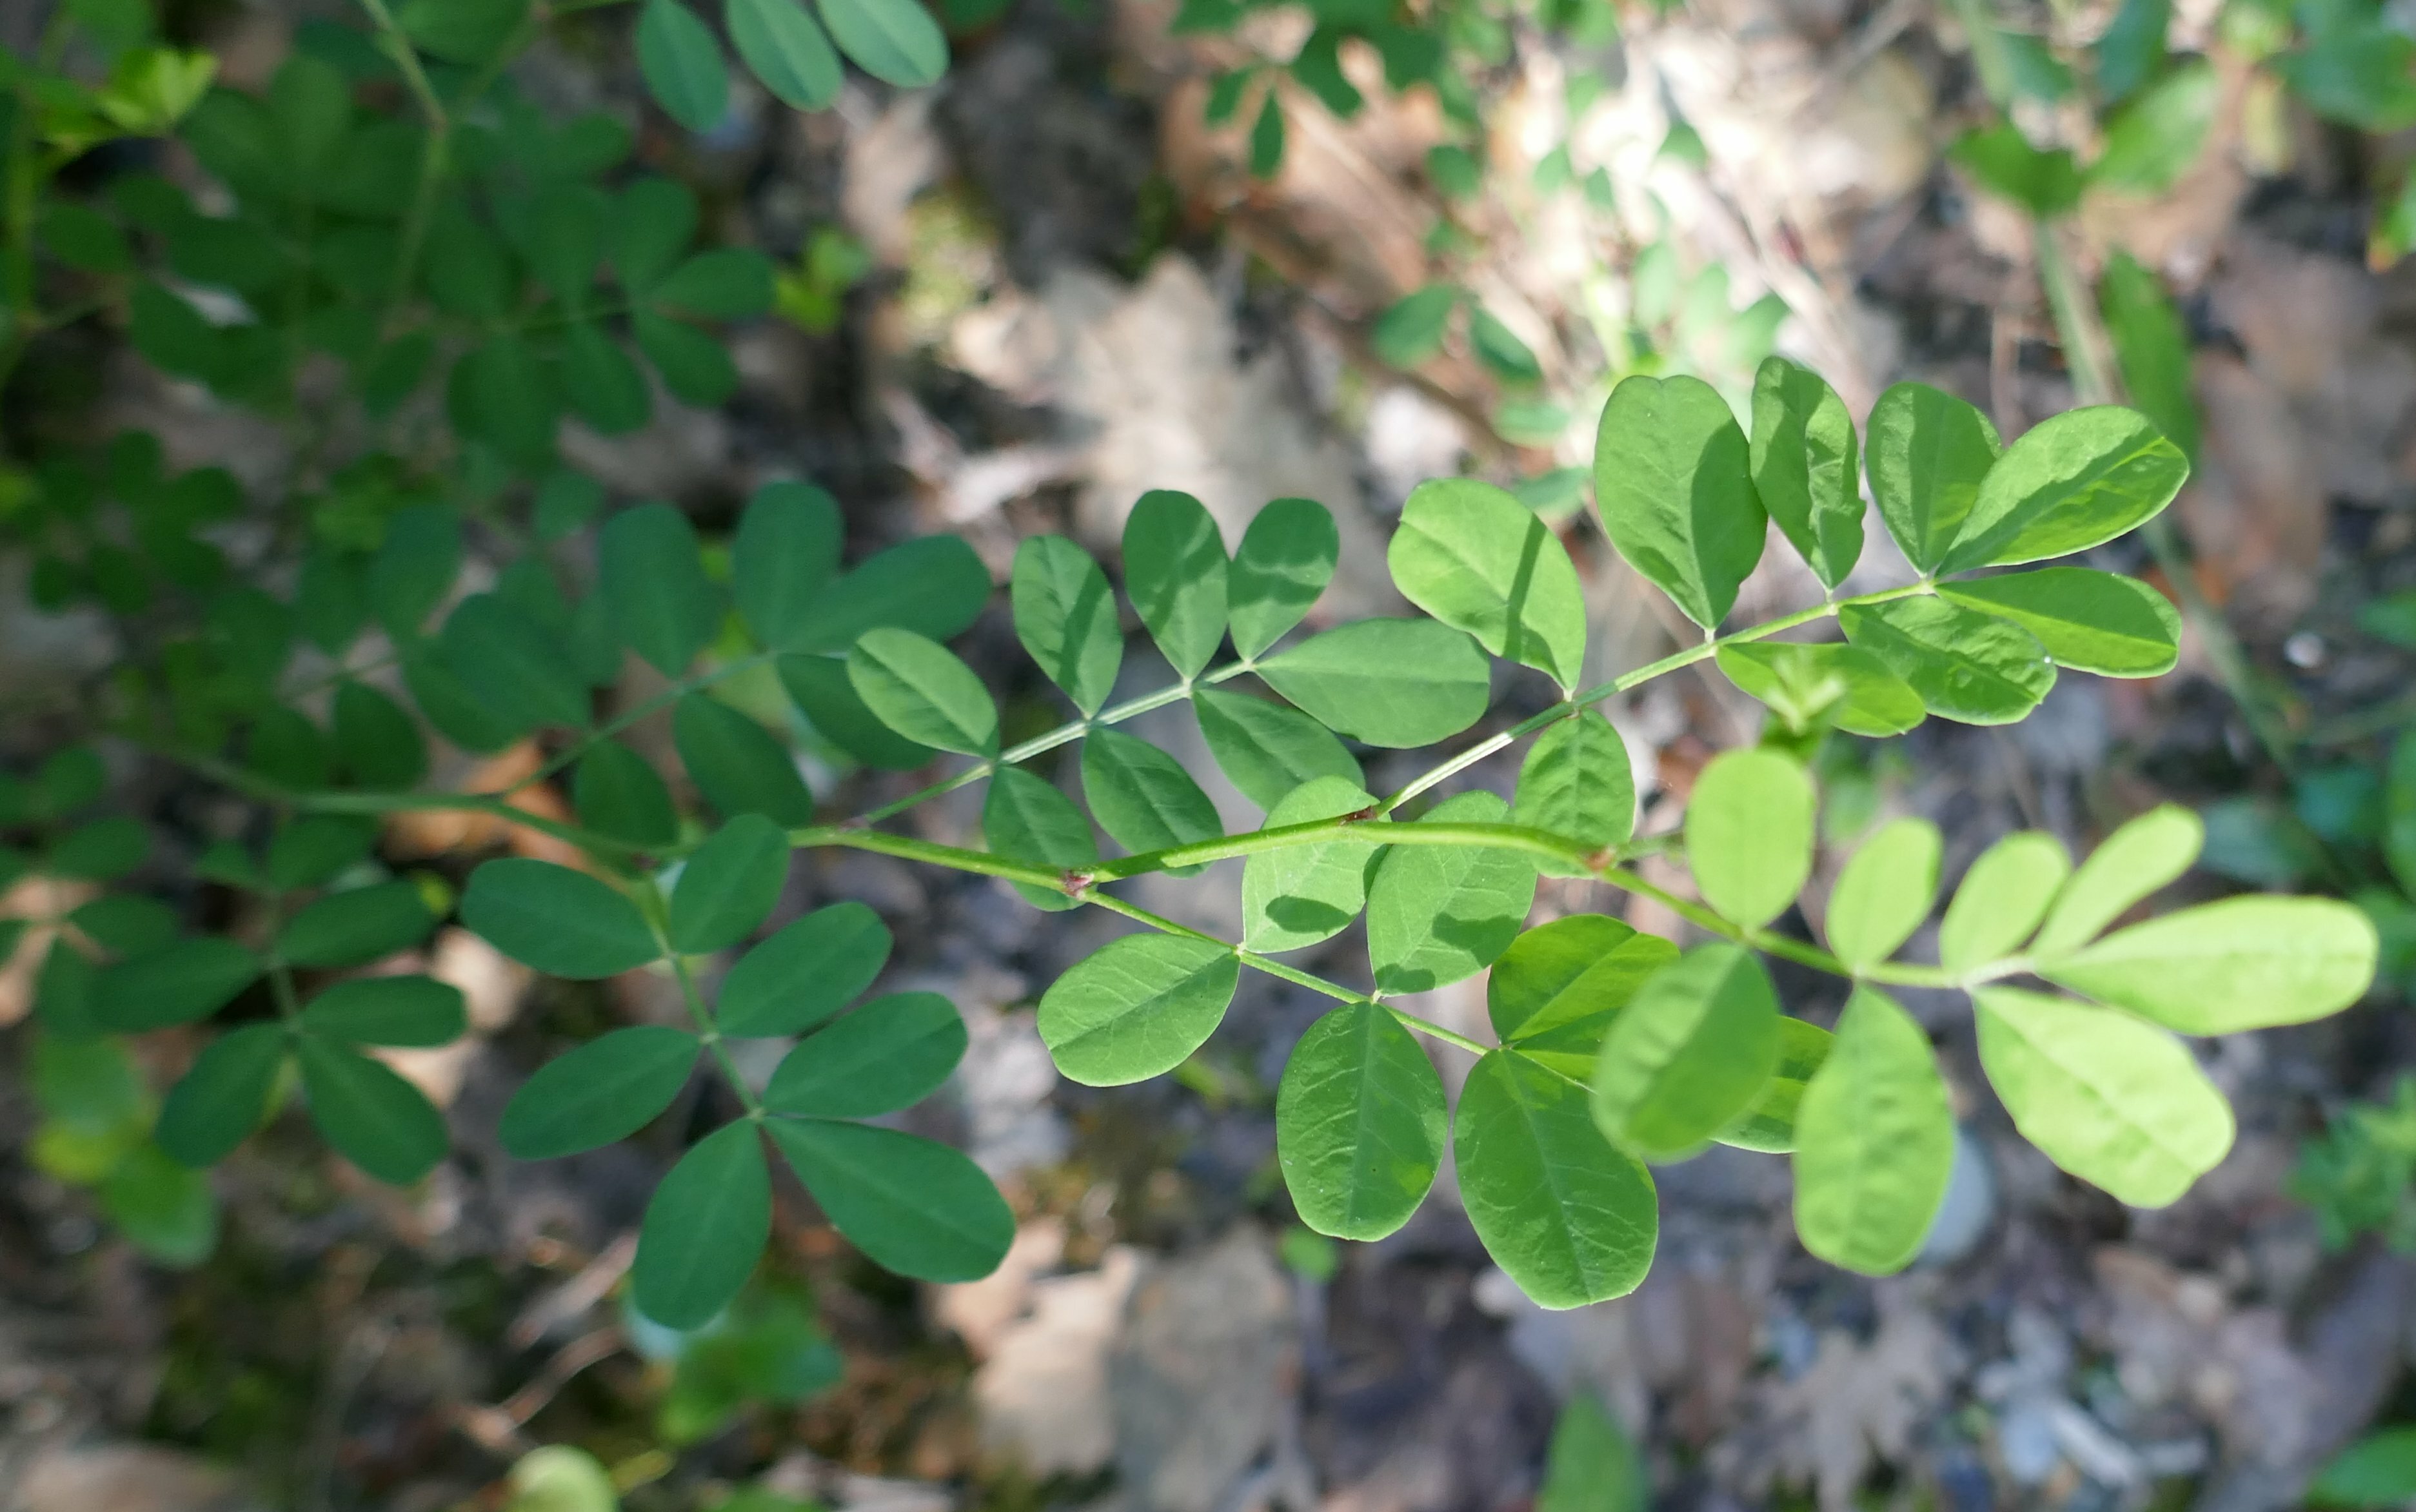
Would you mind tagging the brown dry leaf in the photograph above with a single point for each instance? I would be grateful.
(1860, 1403)
(42, 898)
(423, 833)
(125, 1477)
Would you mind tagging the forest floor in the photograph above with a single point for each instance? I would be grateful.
(1075, 293)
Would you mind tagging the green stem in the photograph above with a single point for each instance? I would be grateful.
(657, 911)
(435, 153)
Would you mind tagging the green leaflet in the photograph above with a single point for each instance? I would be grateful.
(1873, 1140)
(1591, 1465)
(346, 929)
(1137, 1008)
(912, 1206)
(1439, 914)
(935, 586)
(2248, 962)
(176, 983)
(408, 1012)
(1749, 830)
(1411, 328)
(101, 851)
(617, 792)
(704, 1229)
(562, 922)
(1577, 783)
(1479, 560)
(1692, 1051)
(1286, 559)
(415, 567)
(918, 688)
(2375, 1472)
(787, 548)
(1884, 893)
(512, 662)
(1391, 682)
(2142, 856)
(682, 64)
(895, 41)
(1672, 480)
(2001, 899)
(2151, 140)
(1065, 616)
(1360, 1124)
(313, 850)
(738, 765)
(458, 714)
(1565, 1214)
(2118, 1103)
(818, 685)
(1806, 685)
(1552, 994)
(1175, 573)
(722, 283)
(729, 885)
(1806, 467)
(2399, 812)
(1300, 894)
(893, 1052)
(163, 1207)
(1966, 666)
(601, 382)
(653, 584)
(604, 1090)
(2089, 621)
(371, 1116)
(1768, 1123)
(1265, 749)
(1142, 796)
(217, 1104)
(1929, 453)
(2076, 480)
(1026, 818)
(784, 48)
(2151, 346)
(376, 743)
(806, 972)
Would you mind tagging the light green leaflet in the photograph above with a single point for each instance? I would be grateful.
(728, 886)
(786, 50)
(2076, 480)
(1884, 893)
(1026, 818)
(1929, 453)
(410, 1011)
(1672, 478)
(2118, 1103)
(1175, 574)
(806, 972)
(818, 685)
(1142, 796)
(355, 927)
(1807, 468)
(787, 548)
(604, 1090)
(2001, 899)
(1265, 749)
(1298, 895)
(1137, 1008)
(1593, 1465)
(704, 1229)
(890, 1054)
(911, 1206)
(1411, 329)
(1360, 1124)
(1439, 914)
(372, 1117)
(2089, 621)
(217, 1104)
(1286, 559)
(1065, 616)
(1391, 682)
(1690, 1052)
(653, 585)
(1749, 829)
(1552, 994)
(2136, 860)
(1768, 1123)
(1566, 1215)
(565, 923)
(918, 688)
(1966, 666)
(1578, 783)
(1479, 560)
(738, 765)
(1806, 684)
(618, 792)
(1873, 1140)
(895, 41)
(2247, 962)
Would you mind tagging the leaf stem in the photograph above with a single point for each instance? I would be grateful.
(657, 910)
